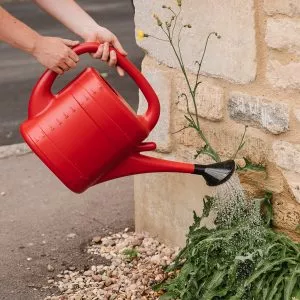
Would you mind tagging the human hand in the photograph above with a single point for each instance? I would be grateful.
(106, 38)
(55, 53)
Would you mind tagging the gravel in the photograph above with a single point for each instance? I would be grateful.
(50, 268)
(135, 263)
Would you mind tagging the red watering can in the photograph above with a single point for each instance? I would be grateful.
(87, 133)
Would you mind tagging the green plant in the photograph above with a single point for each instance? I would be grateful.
(246, 260)
(169, 28)
(242, 258)
(130, 253)
(251, 166)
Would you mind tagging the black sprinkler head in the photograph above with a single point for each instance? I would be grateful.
(217, 173)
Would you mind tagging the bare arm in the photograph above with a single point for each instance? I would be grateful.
(16, 33)
(53, 53)
(69, 13)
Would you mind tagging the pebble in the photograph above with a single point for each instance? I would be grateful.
(96, 277)
(122, 279)
(88, 273)
(50, 268)
(71, 235)
(108, 242)
(96, 239)
(156, 259)
(3, 194)
(136, 242)
(240, 162)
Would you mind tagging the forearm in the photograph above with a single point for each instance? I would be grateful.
(16, 33)
(69, 13)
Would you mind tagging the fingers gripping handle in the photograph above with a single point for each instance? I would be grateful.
(41, 95)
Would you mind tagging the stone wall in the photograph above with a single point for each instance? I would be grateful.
(251, 76)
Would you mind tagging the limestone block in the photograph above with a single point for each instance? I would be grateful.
(283, 34)
(286, 7)
(161, 82)
(293, 180)
(297, 113)
(259, 112)
(167, 211)
(287, 157)
(233, 57)
(209, 99)
(283, 76)
(224, 138)
(286, 212)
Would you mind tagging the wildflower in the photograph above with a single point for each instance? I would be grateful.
(159, 22)
(141, 35)
(179, 2)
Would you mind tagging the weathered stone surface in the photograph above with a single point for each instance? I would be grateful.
(286, 7)
(283, 76)
(232, 57)
(167, 212)
(224, 139)
(209, 99)
(287, 157)
(286, 212)
(283, 34)
(256, 183)
(161, 82)
(293, 180)
(297, 113)
(259, 112)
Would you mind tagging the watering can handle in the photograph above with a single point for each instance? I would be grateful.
(41, 95)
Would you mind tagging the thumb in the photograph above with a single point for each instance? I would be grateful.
(115, 42)
(70, 43)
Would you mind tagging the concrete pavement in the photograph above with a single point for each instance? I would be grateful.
(42, 223)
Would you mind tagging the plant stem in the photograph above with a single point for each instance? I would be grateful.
(185, 127)
(175, 21)
(188, 108)
(149, 35)
(241, 143)
(200, 63)
(178, 54)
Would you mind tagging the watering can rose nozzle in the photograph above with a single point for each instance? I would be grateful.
(217, 173)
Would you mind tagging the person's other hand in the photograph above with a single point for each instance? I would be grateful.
(106, 38)
(55, 53)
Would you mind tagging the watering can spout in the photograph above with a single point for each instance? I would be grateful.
(214, 174)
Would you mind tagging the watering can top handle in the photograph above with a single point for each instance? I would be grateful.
(42, 95)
